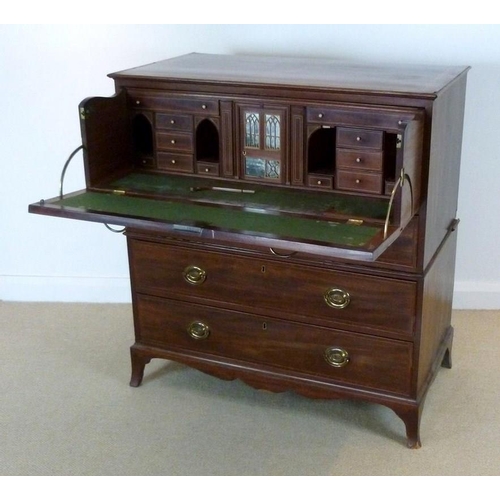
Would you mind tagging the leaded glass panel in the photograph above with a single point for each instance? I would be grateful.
(261, 168)
(255, 167)
(252, 130)
(273, 132)
(272, 169)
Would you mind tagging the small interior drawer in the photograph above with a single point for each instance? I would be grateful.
(206, 168)
(359, 138)
(174, 122)
(320, 181)
(360, 159)
(174, 141)
(360, 181)
(175, 162)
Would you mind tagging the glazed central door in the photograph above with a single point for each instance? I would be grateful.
(262, 141)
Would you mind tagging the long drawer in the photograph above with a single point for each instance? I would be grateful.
(342, 357)
(346, 300)
(173, 103)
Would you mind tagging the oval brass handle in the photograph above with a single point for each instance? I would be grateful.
(337, 298)
(336, 356)
(198, 330)
(194, 275)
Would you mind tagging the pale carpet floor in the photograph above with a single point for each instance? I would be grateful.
(66, 409)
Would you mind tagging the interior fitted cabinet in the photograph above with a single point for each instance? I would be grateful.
(290, 222)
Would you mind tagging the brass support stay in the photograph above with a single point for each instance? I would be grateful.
(400, 182)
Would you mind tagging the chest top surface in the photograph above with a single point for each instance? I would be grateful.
(330, 74)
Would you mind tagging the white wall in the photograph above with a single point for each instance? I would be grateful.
(47, 70)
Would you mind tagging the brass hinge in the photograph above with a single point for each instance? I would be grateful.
(399, 141)
(83, 113)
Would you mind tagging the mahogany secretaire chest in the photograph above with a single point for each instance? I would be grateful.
(290, 222)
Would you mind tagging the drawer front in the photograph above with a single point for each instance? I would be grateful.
(145, 161)
(359, 181)
(320, 181)
(342, 357)
(359, 159)
(174, 141)
(181, 105)
(359, 138)
(342, 299)
(175, 162)
(383, 119)
(174, 122)
(389, 186)
(211, 169)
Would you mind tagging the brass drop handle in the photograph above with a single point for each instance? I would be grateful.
(194, 275)
(198, 330)
(337, 298)
(278, 254)
(336, 356)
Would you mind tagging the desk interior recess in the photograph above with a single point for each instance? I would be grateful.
(357, 165)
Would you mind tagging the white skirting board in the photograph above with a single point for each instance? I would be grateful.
(476, 295)
(467, 295)
(65, 289)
